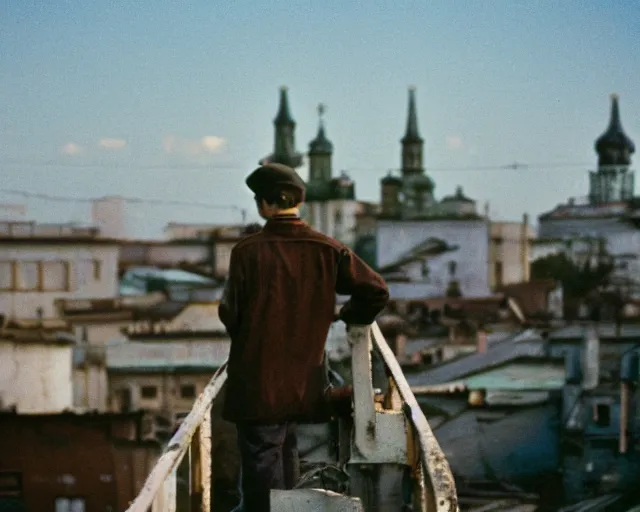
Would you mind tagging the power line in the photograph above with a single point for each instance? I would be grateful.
(135, 200)
(142, 167)
(515, 166)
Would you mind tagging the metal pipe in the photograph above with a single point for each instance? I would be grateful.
(624, 416)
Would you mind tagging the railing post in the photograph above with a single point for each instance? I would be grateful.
(184, 482)
(159, 492)
(365, 412)
(165, 500)
(206, 461)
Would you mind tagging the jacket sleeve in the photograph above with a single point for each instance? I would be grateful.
(230, 310)
(367, 290)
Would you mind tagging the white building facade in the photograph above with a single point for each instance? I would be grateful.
(610, 215)
(466, 262)
(41, 263)
(35, 374)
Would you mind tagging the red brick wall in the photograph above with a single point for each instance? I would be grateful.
(74, 456)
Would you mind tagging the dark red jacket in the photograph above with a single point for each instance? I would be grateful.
(278, 305)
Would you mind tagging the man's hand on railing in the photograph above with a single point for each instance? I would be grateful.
(338, 318)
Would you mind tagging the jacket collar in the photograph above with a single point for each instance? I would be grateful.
(279, 222)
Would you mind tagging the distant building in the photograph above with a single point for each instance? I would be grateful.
(110, 214)
(510, 252)
(198, 248)
(108, 328)
(12, 211)
(201, 231)
(73, 462)
(35, 368)
(165, 361)
(610, 213)
(40, 263)
(330, 205)
(411, 219)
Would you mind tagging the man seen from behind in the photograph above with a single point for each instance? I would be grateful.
(278, 305)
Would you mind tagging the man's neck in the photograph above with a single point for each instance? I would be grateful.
(289, 212)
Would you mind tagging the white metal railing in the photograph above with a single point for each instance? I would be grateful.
(443, 497)
(395, 432)
(193, 438)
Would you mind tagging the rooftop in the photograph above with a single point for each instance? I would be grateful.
(525, 344)
(197, 355)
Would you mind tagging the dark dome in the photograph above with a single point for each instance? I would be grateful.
(613, 146)
(320, 145)
(389, 179)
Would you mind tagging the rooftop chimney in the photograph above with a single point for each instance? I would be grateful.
(590, 358)
(481, 340)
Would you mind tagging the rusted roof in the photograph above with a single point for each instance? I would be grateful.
(606, 331)
(430, 246)
(171, 356)
(531, 296)
(523, 344)
(57, 240)
(36, 337)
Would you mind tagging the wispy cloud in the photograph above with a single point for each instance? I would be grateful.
(454, 142)
(112, 144)
(209, 144)
(71, 149)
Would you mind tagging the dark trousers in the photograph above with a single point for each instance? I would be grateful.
(269, 457)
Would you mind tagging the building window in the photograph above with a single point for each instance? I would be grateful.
(188, 391)
(602, 415)
(55, 276)
(337, 216)
(28, 275)
(148, 392)
(425, 270)
(497, 273)
(70, 505)
(97, 270)
(6, 275)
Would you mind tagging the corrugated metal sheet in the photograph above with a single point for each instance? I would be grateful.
(411, 291)
(604, 330)
(525, 344)
(508, 446)
(166, 355)
(520, 375)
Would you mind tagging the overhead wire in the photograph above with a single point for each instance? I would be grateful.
(218, 168)
(138, 200)
(151, 201)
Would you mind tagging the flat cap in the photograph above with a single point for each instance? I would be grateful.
(273, 176)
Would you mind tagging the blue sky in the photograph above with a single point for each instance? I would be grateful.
(175, 100)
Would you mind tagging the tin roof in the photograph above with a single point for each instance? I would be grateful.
(167, 356)
(523, 344)
(605, 330)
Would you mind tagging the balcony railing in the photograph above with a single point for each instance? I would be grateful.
(386, 444)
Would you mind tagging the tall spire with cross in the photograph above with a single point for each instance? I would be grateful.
(284, 144)
(320, 151)
(412, 143)
(613, 182)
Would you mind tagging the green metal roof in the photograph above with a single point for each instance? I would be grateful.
(520, 376)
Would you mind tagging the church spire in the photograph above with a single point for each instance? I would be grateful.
(283, 117)
(284, 144)
(613, 146)
(320, 151)
(412, 143)
(613, 182)
(412, 133)
(320, 145)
